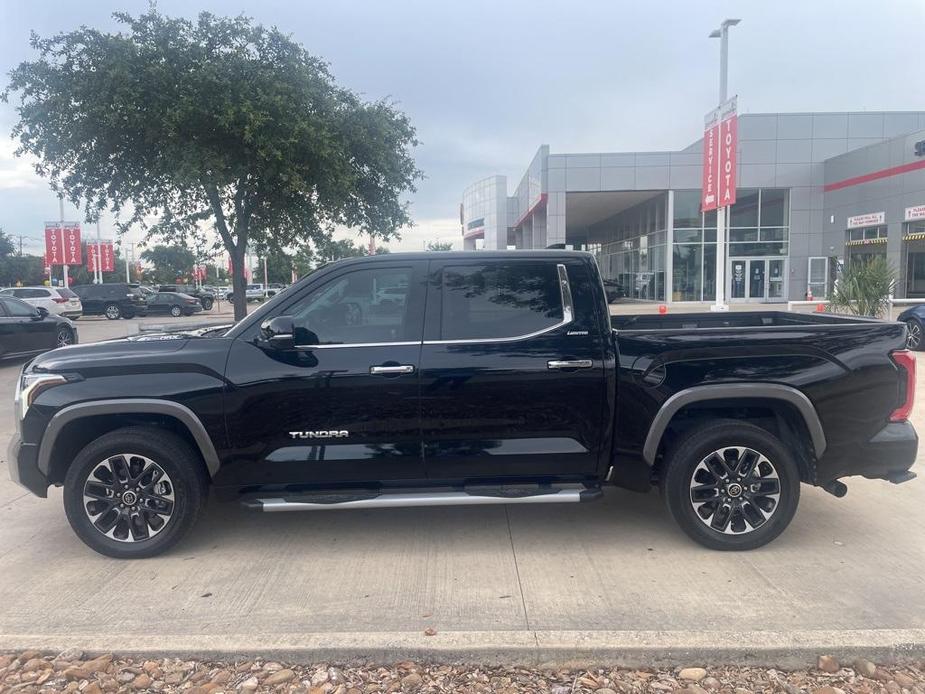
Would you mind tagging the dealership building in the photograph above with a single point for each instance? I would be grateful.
(814, 190)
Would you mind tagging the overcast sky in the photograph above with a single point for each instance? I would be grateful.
(487, 81)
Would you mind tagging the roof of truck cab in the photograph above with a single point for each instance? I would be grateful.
(469, 255)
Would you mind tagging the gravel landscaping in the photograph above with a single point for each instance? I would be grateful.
(71, 671)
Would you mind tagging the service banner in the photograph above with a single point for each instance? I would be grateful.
(728, 159)
(708, 200)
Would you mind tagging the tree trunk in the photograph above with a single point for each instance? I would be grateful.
(238, 284)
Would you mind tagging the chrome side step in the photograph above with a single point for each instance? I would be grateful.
(468, 496)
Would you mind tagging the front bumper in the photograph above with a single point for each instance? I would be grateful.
(22, 459)
(887, 455)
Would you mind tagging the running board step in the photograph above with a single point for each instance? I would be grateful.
(467, 496)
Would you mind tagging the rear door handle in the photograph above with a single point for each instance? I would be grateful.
(391, 370)
(569, 364)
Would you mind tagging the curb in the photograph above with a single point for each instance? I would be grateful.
(547, 649)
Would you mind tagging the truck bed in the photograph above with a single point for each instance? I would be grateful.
(735, 319)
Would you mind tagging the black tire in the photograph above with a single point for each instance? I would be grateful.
(176, 311)
(915, 335)
(185, 472)
(112, 312)
(695, 454)
(207, 304)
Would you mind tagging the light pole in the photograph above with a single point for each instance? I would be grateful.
(723, 35)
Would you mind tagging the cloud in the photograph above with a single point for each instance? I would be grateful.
(17, 173)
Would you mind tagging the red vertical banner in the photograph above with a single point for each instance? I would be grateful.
(91, 257)
(72, 255)
(107, 257)
(54, 248)
(711, 134)
(728, 159)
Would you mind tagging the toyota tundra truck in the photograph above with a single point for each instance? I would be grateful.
(486, 378)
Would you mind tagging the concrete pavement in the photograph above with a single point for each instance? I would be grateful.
(613, 581)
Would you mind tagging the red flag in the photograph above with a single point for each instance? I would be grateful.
(54, 250)
(72, 255)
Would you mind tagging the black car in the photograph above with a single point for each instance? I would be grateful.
(206, 297)
(486, 378)
(914, 318)
(173, 303)
(26, 329)
(114, 300)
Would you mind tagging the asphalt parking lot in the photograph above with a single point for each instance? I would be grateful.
(497, 577)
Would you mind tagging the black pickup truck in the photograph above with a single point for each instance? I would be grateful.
(464, 378)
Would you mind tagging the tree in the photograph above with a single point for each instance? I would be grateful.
(864, 287)
(311, 257)
(215, 121)
(6, 244)
(439, 246)
(170, 264)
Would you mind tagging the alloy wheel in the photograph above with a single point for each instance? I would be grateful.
(64, 337)
(913, 334)
(112, 312)
(735, 490)
(176, 312)
(128, 497)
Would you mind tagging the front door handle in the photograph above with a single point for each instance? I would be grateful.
(391, 370)
(569, 364)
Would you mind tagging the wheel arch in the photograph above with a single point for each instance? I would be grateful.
(786, 402)
(76, 425)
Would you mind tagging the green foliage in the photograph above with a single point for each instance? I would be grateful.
(27, 270)
(215, 121)
(6, 245)
(310, 257)
(864, 288)
(439, 246)
(170, 264)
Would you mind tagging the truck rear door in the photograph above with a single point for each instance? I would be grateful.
(512, 377)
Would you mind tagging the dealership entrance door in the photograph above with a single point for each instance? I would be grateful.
(756, 279)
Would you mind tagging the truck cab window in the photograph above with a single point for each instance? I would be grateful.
(499, 300)
(359, 307)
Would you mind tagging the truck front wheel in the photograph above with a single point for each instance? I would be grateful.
(134, 492)
(731, 485)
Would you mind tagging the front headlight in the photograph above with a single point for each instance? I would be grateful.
(28, 388)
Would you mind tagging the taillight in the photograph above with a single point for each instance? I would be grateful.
(905, 360)
(59, 299)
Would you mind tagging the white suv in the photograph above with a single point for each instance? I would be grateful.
(57, 300)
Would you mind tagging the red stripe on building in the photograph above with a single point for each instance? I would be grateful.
(539, 203)
(883, 173)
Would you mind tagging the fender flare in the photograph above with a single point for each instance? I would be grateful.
(128, 406)
(736, 391)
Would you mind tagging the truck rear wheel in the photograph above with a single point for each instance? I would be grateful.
(134, 492)
(731, 485)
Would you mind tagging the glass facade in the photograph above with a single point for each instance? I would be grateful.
(759, 227)
(633, 261)
(914, 251)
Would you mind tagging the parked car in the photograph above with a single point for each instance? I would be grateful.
(254, 292)
(58, 300)
(27, 329)
(206, 298)
(503, 380)
(173, 303)
(914, 318)
(114, 300)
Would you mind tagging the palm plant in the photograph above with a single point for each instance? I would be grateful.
(864, 288)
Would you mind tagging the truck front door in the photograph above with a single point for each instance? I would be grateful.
(343, 406)
(512, 374)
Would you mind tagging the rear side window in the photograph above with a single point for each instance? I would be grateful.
(17, 308)
(32, 293)
(499, 301)
(66, 293)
